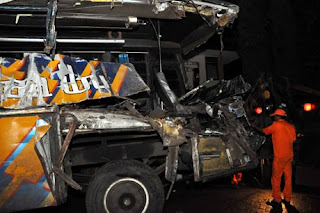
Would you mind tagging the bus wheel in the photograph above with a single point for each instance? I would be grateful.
(123, 187)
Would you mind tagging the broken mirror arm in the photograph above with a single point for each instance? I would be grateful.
(51, 33)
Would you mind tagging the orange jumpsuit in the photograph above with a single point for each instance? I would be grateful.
(283, 135)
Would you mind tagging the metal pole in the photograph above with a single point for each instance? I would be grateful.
(67, 40)
(51, 33)
(23, 8)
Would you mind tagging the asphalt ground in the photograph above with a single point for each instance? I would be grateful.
(218, 196)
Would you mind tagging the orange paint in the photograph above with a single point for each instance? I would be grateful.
(49, 85)
(52, 66)
(11, 141)
(52, 85)
(87, 70)
(26, 166)
(118, 79)
(13, 69)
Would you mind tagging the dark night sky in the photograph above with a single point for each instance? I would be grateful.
(281, 37)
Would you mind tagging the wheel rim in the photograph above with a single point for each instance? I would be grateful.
(126, 194)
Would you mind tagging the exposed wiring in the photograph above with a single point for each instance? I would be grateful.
(195, 7)
(158, 35)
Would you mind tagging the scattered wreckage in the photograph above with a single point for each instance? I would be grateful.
(68, 121)
(114, 24)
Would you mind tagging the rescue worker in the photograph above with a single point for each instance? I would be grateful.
(283, 135)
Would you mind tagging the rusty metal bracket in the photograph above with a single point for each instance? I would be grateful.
(171, 133)
(170, 190)
(57, 166)
(172, 163)
(195, 157)
(51, 33)
(131, 108)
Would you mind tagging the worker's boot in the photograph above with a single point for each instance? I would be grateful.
(276, 206)
(287, 205)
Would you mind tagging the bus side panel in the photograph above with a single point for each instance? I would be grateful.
(23, 183)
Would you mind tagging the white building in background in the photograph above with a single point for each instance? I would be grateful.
(207, 64)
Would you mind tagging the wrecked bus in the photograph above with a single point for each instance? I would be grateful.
(68, 122)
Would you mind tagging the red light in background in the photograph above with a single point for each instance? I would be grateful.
(236, 178)
(258, 110)
(308, 107)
